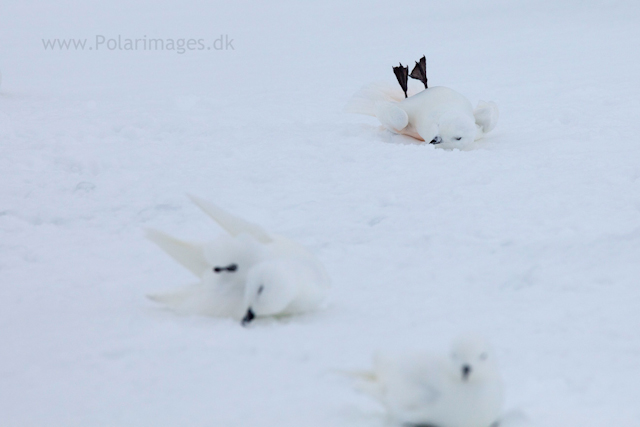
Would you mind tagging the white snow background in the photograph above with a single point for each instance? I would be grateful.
(532, 238)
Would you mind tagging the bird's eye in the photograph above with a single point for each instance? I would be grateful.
(484, 356)
(458, 138)
(230, 268)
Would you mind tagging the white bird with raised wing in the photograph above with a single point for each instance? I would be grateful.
(244, 274)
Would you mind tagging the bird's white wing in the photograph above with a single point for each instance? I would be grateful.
(486, 115)
(428, 393)
(190, 255)
(203, 299)
(391, 115)
(231, 223)
(364, 101)
(412, 386)
(174, 299)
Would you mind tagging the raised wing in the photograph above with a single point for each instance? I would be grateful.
(190, 255)
(231, 223)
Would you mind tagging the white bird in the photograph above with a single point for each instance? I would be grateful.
(463, 389)
(244, 274)
(438, 114)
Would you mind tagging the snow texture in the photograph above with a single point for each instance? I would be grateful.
(532, 237)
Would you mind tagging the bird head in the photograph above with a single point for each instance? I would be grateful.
(270, 288)
(455, 130)
(472, 359)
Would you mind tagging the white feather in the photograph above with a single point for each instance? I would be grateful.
(434, 114)
(245, 270)
(428, 389)
(486, 115)
(233, 224)
(190, 255)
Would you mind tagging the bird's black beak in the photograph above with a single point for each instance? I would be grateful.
(466, 371)
(248, 317)
(436, 140)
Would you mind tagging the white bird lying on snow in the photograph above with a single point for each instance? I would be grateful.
(438, 114)
(244, 274)
(461, 390)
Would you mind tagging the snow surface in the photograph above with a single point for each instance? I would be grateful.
(532, 238)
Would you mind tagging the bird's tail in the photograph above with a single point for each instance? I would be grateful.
(365, 100)
(356, 375)
(364, 381)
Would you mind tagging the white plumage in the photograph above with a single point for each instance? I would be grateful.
(438, 114)
(243, 274)
(462, 389)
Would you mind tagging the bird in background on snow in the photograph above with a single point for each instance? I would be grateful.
(244, 274)
(462, 389)
(437, 114)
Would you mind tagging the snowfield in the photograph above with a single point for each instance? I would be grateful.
(532, 237)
